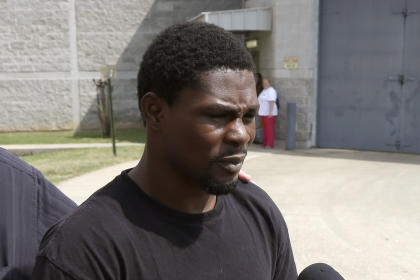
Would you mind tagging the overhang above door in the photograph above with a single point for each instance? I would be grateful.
(253, 19)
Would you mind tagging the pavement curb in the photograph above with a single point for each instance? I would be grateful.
(31, 149)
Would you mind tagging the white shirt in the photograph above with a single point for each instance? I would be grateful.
(267, 95)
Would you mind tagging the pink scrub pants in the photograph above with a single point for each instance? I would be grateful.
(268, 130)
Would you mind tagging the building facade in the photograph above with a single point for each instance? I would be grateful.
(351, 67)
(50, 50)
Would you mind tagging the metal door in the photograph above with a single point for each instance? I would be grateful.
(363, 85)
(410, 138)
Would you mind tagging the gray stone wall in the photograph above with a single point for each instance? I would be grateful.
(294, 34)
(105, 28)
(51, 110)
(34, 39)
(50, 50)
(257, 3)
(162, 14)
(34, 36)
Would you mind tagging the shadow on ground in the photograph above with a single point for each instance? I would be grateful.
(344, 154)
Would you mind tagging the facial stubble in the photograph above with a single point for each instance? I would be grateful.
(210, 186)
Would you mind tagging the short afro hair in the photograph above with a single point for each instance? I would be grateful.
(179, 54)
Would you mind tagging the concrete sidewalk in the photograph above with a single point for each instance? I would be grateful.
(80, 188)
(357, 211)
(29, 149)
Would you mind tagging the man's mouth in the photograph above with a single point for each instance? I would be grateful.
(231, 163)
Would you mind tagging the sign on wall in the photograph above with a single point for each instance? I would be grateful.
(290, 62)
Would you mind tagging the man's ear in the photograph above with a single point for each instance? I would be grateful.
(153, 110)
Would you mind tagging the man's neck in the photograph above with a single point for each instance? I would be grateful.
(165, 186)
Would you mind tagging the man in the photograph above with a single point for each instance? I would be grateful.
(181, 212)
(29, 205)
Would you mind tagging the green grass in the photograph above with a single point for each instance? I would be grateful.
(62, 165)
(64, 137)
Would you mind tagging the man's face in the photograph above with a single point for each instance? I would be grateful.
(208, 129)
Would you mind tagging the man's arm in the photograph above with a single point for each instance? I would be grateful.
(285, 265)
(29, 205)
(285, 262)
(53, 205)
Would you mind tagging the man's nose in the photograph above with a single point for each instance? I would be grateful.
(238, 133)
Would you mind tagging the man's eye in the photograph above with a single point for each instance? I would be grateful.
(249, 117)
(217, 116)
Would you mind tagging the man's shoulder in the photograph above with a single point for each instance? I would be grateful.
(15, 163)
(98, 229)
(72, 242)
(12, 166)
(98, 216)
(77, 235)
(259, 209)
(254, 198)
(21, 182)
(76, 227)
(89, 217)
(252, 191)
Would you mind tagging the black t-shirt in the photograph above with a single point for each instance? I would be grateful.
(121, 233)
(29, 205)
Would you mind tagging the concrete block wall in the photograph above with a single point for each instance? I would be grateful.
(104, 28)
(34, 39)
(294, 33)
(50, 50)
(34, 36)
(23, 107)
(162, 14)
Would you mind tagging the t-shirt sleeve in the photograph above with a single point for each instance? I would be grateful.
(45, 270)
(285, 263)
(272, 94)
